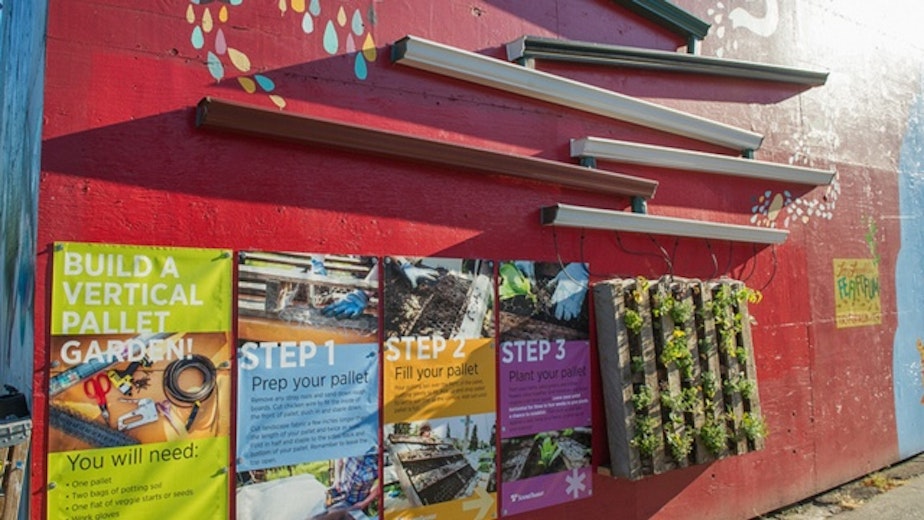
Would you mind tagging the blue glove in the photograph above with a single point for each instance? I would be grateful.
(317, 265)
(569, 293)
(350, 306)
(415, 275)
(528, 268)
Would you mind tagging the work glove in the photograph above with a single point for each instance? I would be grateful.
(416, 275)
(528, 268)
(350, 306)
(317, 265)
(570, 290)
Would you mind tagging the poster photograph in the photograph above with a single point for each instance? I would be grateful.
(545, 408)
(307, 359)
(139, 382)
(439, 389)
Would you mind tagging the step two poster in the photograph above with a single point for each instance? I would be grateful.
(439, 389)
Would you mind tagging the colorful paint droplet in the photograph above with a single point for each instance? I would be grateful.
(350, 44)
(223, 14)
(278, 101)
(357, 25)
(221, 46)
(298, 6)
(207, 21)
(190, 14)
(369, 50)
(331, 42)
(341, 17)
(215, 68)
(197, 39)
(359, 67)
(247, 84)
(283, 6)
(315, 7)
(775, 207)
(236, 2)
(372, 17)
(239, 59)
(307, 24)
(264, 82)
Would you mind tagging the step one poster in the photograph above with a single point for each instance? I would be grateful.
(307, 359)
(139, 383)
(439, 389)
(544, 384)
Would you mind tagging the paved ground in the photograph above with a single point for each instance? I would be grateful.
(894, 493)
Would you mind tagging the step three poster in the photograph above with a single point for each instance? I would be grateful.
(307, 436)
(545, 409)
(140, 384)
(439, 389)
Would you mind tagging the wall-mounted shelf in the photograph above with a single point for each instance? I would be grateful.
(634, 153)
(594, 218)
(449, 61)
(670, 17)
(271, 123)
(535, 47)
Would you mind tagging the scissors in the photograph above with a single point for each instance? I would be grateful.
(96, 388)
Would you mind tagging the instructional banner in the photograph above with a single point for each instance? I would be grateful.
(545, 408)
(439, 390)
(307, 437)
(139, 385)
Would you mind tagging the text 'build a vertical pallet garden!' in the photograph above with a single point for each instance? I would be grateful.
(677, 364)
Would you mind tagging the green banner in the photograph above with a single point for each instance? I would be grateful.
(118, 289)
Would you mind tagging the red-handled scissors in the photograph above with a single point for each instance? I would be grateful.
(96, 388)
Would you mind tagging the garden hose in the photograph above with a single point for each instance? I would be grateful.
(187, 397)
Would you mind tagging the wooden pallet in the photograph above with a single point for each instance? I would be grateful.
(678, 380)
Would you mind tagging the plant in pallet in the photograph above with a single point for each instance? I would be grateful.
(644, 440)
(714, 435)
(753, 427)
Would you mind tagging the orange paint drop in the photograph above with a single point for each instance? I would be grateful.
(247, 84)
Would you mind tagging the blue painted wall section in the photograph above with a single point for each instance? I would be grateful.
(22, 62)
(909, 285)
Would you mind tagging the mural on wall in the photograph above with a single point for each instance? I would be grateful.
(340, 29)
(909, 283)
(762, 22)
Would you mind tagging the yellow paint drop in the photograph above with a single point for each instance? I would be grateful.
(223, 14)
(341, 17)
(239, 59)
(298, 6)
(207, 22)
(190, 14)
(775, 206)
(283, 6)
(249, 85)
(369, 50)
(278, 100)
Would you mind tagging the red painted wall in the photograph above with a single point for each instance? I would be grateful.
(123, 163)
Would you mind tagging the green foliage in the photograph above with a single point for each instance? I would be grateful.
(514, 283)
(680, 444)
(633, 321)
(753, 427)
(644, 440)
(714, 435)
(637, 365)
(642, 399)
(548, 451)
(709, 384)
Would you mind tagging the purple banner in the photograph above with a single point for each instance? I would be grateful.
(545, 409)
